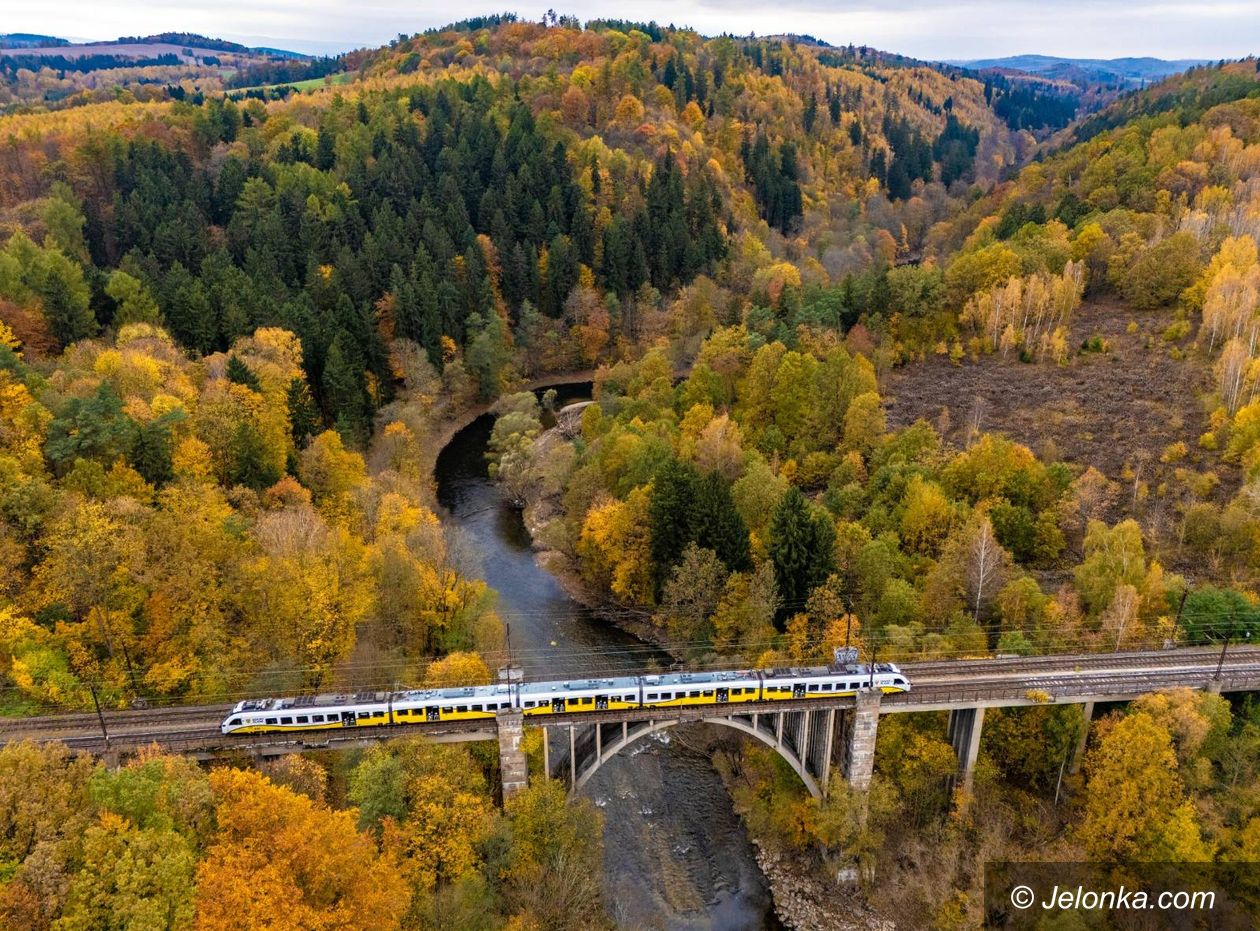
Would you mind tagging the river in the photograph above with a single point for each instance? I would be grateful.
(676, 856)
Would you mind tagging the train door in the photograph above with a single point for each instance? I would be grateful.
(601, 702)
(798, 690)
(432, 714)
(557, 706)
(723, 696)
(348, 719)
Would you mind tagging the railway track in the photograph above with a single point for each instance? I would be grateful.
(121, 719)
(1009, 680)
(1084, 661)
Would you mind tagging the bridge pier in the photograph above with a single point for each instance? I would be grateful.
(860, 753)
(513, 767)
(829, 731)
(1078, 754)
(965, 725)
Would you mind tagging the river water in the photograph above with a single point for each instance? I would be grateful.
(675, 854)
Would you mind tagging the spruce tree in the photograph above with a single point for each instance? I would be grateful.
(240, 374)
(303, 414)
(345, 396)
(801, 544)
(249, 465)
(717, 523)
(670, 514)
(151, 452)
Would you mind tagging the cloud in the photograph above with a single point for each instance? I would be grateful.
(932, 29)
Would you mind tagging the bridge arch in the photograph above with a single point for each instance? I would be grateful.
(629, 737)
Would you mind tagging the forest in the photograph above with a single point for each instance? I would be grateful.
(233, 334)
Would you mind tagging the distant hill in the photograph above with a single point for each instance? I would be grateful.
(29, 40)
(1131, 71)
(138, 46)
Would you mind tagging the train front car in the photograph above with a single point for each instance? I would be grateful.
(845, 677)
(308, 713)
(891, 678)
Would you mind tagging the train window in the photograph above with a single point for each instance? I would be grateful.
(234, 722)
(317, 718)
(364, 714)
(826, 686)
(303, 719)
(286, 720)
(462, 709)
(272, 721)
(447, 710)
(708, 693)
(477, 708)
(813, 688)
(694, 694)
(653, 696)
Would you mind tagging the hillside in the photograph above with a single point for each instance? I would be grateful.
(40, 72)
(29, 40)
(886, 355)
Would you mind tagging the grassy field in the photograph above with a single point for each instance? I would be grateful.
(344, 77)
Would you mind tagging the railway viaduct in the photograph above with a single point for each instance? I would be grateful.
(813, 737)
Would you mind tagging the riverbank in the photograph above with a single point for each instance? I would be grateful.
(442, 429)
(802, 897)
(538, 513)
(804, 901)
(676, 857)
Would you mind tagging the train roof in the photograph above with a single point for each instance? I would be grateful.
(312, 701)
(452, 694)
(701, 678)
(617, 683)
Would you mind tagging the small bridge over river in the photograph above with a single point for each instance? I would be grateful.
(813, 736)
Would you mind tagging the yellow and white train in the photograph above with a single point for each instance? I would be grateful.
(581, 696)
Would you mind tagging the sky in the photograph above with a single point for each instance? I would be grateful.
(929, 29)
